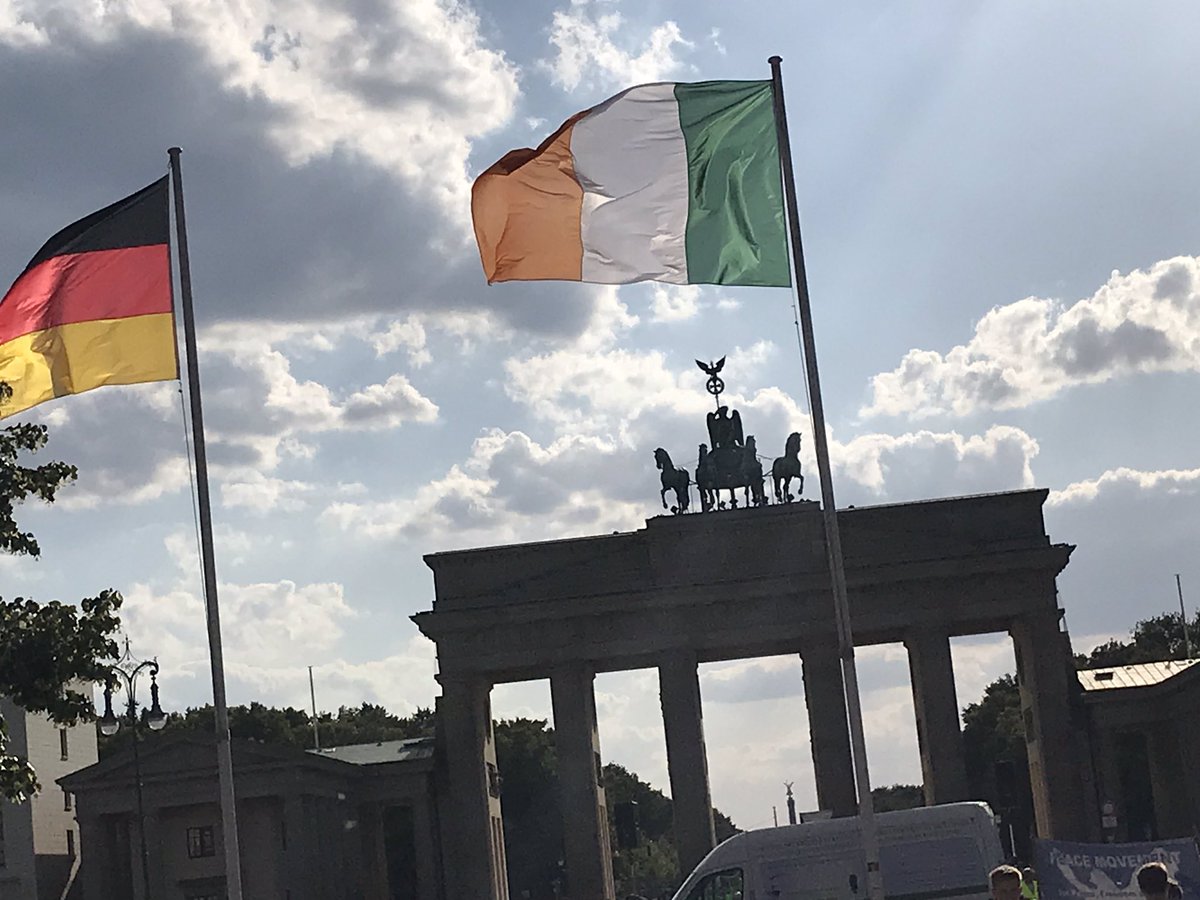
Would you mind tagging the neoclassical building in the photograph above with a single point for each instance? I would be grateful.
(40, 852)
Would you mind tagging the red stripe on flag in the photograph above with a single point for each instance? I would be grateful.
(84, 287)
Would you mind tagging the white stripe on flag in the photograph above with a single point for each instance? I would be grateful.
(631, 159)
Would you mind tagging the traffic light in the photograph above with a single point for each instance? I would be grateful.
(626, 821)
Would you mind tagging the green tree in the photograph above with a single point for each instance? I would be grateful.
(996, 758)
(1152, 640)
(897, 796)
(45, 649)
(533, 834)
(288, 727)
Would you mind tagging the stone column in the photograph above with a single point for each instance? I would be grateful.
(426, 846)
(586, 843)
(1044, 671)
(829, 730)
(374, 853)
(1168, 781)
(939, 733)
(687, 762)
(94, 863)
(473, 833)
(297, 873)
(1108, 777)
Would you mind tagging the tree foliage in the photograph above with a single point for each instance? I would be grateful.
(897, 796)
(45, 650)
(1152, 640)
(290, 727)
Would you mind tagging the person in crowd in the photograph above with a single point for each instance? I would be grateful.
(1153, 880)
(1029, 884)
(1005, 883)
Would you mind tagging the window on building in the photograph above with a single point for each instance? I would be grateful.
(283, 834)
(2, 857)
(71, 843)
(62, 743)
(200, 842)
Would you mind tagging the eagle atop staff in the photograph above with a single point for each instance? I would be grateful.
(714, 384)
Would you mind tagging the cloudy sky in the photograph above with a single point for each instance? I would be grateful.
(1002, 225)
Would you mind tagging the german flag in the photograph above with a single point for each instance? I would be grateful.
(93, 307)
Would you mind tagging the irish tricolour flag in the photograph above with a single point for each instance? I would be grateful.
(663, 182)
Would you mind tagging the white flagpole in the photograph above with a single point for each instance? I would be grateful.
(833, 538)
(233, 870)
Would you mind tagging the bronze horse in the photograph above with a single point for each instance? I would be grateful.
(672, 479)
(787, 467)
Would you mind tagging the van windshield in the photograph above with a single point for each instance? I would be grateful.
(724, 885)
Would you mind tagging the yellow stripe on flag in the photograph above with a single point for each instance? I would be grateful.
(71, 359)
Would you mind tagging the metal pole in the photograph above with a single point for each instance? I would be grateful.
(313, 696)
(233, 871)
(833, 539)
(131, 706)
(1187, 644)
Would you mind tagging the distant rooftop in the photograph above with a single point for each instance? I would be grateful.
(381, 752)
(1140, 675)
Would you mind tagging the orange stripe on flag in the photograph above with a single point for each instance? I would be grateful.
(527, 210)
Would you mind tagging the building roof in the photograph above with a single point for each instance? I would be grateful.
(1140, 675)
(379, 752)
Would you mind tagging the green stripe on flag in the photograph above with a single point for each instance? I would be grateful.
(735, 229)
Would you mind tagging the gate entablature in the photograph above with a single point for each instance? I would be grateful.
(744, 583)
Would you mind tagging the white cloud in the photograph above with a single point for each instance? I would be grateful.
(674, 303)
(1133, 530)
(401, 681)
(1181, 482)
(261, 494)
(511, 489)
(16, 29)
(259, 377)
(590, 50)
(1031, 350)
(408, 333)
(620, 392)
(922, 464)
(271, 632)
(406, 85)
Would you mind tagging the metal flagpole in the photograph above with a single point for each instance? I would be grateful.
(312, 693)
(833, 539)
(233, 870)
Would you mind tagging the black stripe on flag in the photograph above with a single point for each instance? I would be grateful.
(139, 220)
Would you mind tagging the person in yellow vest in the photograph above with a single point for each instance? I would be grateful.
(1029, 884)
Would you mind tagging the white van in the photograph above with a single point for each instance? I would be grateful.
(932, 853)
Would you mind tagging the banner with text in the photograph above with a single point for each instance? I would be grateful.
(1067, 871)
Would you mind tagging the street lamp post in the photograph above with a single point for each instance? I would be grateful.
(125, 673)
